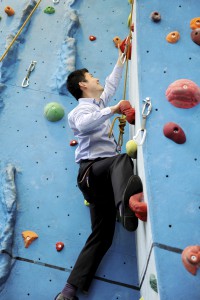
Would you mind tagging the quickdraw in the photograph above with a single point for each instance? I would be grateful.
(145, 112)
(25, 81)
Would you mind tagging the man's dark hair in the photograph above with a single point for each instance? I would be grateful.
(73, 82)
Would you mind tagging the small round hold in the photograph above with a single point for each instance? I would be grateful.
(131, 149)
(132, 27)
(59, 246)
(173, 37)
(73, 143)
(195, 36)
(92, 38)
(195, 23)
(155, 16)
(56, 1)
(117, 41)
(49, 10)
(9, 11)
(86, 202)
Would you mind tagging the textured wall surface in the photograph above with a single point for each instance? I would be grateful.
(171, 169)
(47, 198)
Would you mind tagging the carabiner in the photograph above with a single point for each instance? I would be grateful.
(147, 106)
(145, 112)
(25, 81)
(135, 137)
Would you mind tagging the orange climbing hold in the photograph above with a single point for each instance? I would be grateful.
(117, 41)
(9, 11)
(29, 237)
(191, 258)
(173, 37)
(195, 23)
(137, 204)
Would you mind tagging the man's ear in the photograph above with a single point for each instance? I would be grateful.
(82, 84)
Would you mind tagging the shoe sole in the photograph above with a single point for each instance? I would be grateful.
(74, 298)
(134, 186)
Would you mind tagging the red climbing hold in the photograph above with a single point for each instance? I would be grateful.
(183, 93)
(126, 46)
(59, 246)
(127, 110)
(155, 16)
(195, 36)
(174, 132)
(191, 258)
(137, 204)
(73, 143)
(92, 38)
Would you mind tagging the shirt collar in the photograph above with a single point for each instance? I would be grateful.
(90, 100)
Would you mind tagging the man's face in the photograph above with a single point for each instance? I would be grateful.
(92, 83)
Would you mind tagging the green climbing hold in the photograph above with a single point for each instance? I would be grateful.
(153, 283)
(53, 111)
(49, 10)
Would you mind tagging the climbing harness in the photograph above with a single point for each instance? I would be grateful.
(25, 81)
(20, 30)
(145, 112)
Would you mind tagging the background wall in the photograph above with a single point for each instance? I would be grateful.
(47, 200)
(170, 170)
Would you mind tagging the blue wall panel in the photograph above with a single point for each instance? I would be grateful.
(172, 170)
(48, 200)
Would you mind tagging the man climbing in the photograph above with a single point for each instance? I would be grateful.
(105, 177)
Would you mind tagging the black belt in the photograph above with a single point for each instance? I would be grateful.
(91, 160)
(82, 161)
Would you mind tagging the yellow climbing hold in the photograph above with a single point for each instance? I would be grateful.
(129, 20)
(86, 203)
(141, 298)
(29, 237)
(131, 148)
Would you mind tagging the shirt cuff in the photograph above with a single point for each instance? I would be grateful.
(106, 111)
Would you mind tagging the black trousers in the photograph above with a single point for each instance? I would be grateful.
(105, 185)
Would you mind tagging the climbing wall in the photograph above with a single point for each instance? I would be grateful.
(169, 170)
(38, 189)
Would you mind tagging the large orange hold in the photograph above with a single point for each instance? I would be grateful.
(9, 11)
(195, 23)
(183, 93)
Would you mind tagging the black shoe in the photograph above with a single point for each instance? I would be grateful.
(61, 297)
(128, 218)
